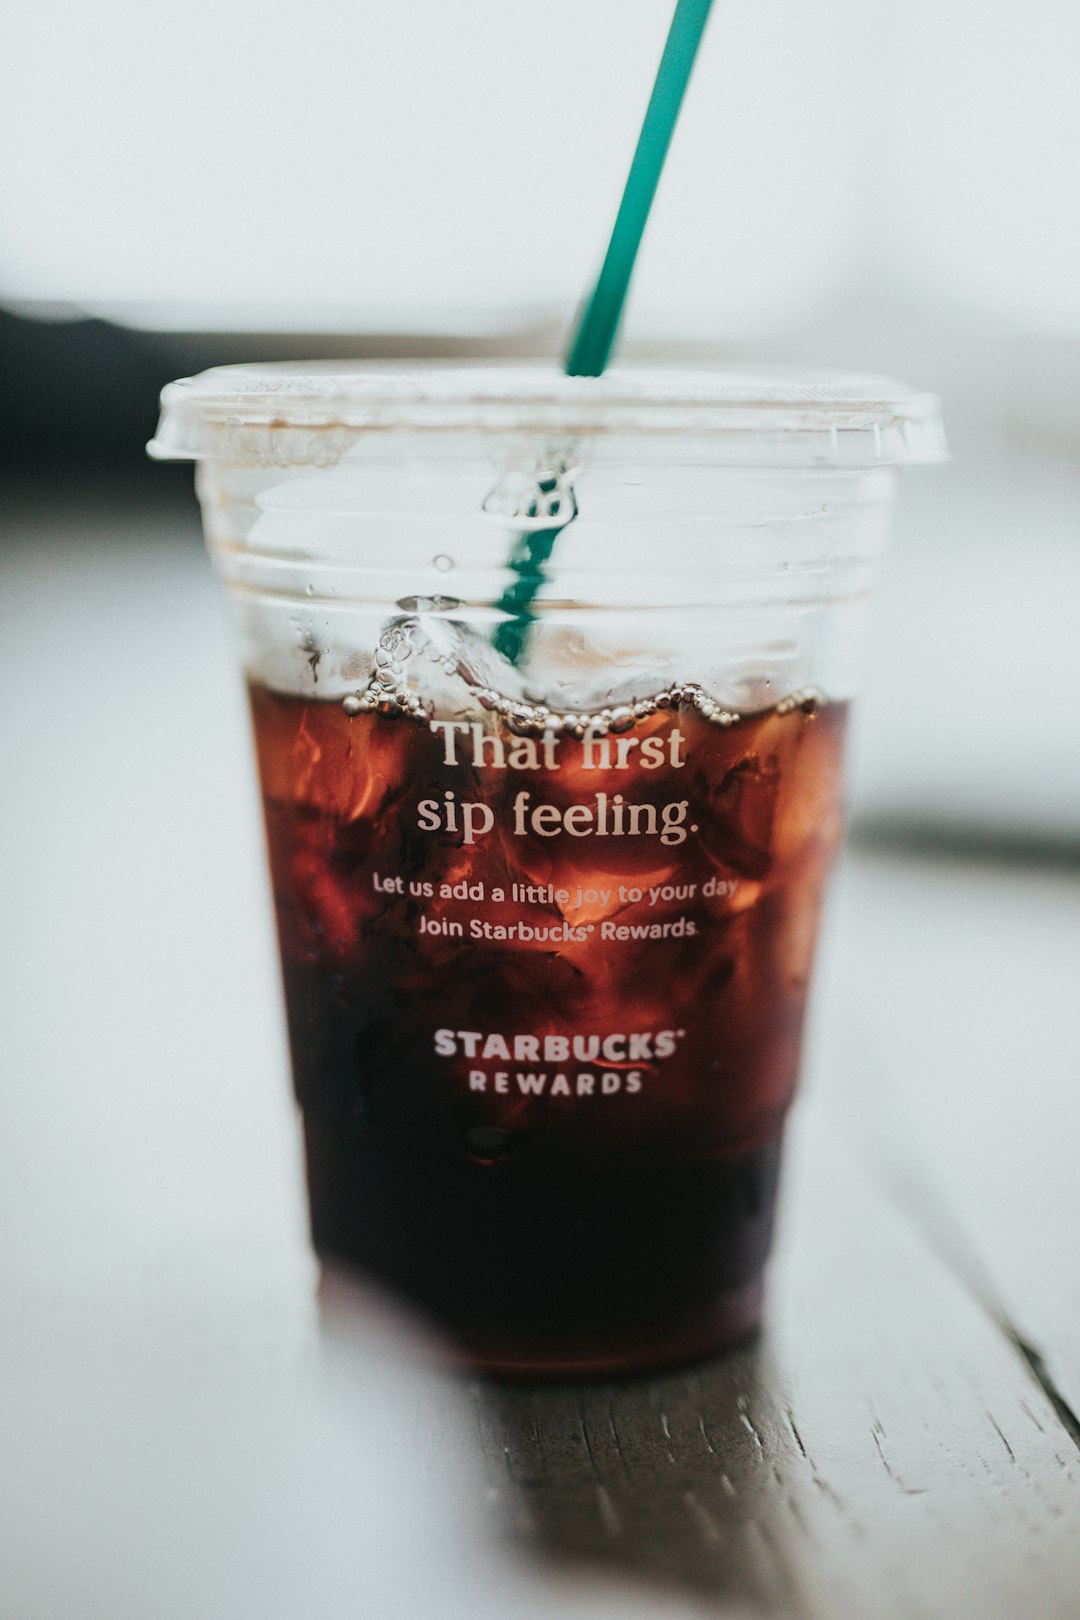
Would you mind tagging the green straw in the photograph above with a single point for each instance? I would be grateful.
(592, 342)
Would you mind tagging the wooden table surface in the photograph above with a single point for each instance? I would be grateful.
(188, 1428)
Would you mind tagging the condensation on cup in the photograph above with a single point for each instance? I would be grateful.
(549, 824)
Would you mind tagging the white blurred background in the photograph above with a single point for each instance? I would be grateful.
(427, 166)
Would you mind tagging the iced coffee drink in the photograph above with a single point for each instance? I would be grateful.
(548, 883)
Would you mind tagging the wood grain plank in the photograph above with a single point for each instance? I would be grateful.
(962, 1084)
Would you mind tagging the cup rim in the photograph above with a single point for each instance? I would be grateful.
(297, 413)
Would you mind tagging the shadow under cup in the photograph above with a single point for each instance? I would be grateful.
(549, 679)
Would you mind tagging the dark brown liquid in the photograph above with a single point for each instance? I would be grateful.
(551, 1207)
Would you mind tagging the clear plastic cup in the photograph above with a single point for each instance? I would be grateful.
(549, 679)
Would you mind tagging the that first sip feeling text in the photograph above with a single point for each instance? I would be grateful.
(605, 816)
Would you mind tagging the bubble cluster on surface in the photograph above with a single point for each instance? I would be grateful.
(421, 636)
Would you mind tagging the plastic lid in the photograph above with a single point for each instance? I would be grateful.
(295, 414)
